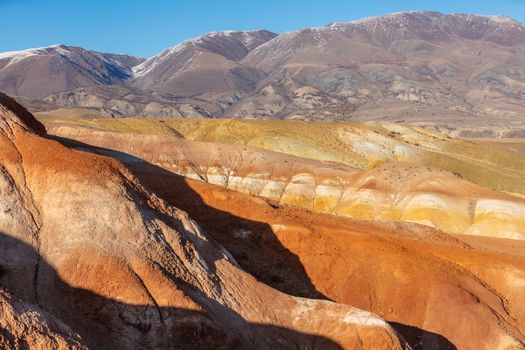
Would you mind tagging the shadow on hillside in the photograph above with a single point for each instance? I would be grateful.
(105, 323)
(262, 255)
(253, 244)
(420, 339)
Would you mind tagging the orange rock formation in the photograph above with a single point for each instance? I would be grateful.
(81, 238)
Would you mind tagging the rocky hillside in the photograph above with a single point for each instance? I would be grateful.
(398, 191)
(418, 278)
(415, 66)
(25, 326)
(357, 145)
(152, 277)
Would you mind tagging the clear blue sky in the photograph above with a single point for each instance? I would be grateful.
(146, 27)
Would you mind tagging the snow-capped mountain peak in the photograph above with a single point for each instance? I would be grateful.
(17, 56)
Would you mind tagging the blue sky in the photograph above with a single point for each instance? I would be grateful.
(146, 27)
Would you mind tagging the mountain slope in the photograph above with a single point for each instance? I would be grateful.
(418, 66)
(206, 67)
(37, 73)
(232, 45)
(399, 191)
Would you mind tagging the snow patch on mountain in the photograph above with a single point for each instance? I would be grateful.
(399, 18)
(246, 38)
(17, 56)
(502, 19)
(150, 64)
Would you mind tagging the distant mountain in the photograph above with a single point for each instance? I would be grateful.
(413, 66)
(199, 77)
(421, 67)
(229, 45)
(208, 68)
(37, 73)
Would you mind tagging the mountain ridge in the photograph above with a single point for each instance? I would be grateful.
(38, 72)
(422, 67)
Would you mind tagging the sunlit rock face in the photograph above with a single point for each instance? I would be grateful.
(26, 326)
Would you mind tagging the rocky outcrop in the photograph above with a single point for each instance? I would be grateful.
(84, 240)
(24, 326)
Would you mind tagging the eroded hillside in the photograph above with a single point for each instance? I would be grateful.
(84, 240)
(431, 286)
(439, 291)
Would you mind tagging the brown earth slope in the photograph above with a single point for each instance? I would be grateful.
(37, 73)
(83, 239)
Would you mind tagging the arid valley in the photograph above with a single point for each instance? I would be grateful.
(359, 185)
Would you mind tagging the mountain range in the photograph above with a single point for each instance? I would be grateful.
(456, 71)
